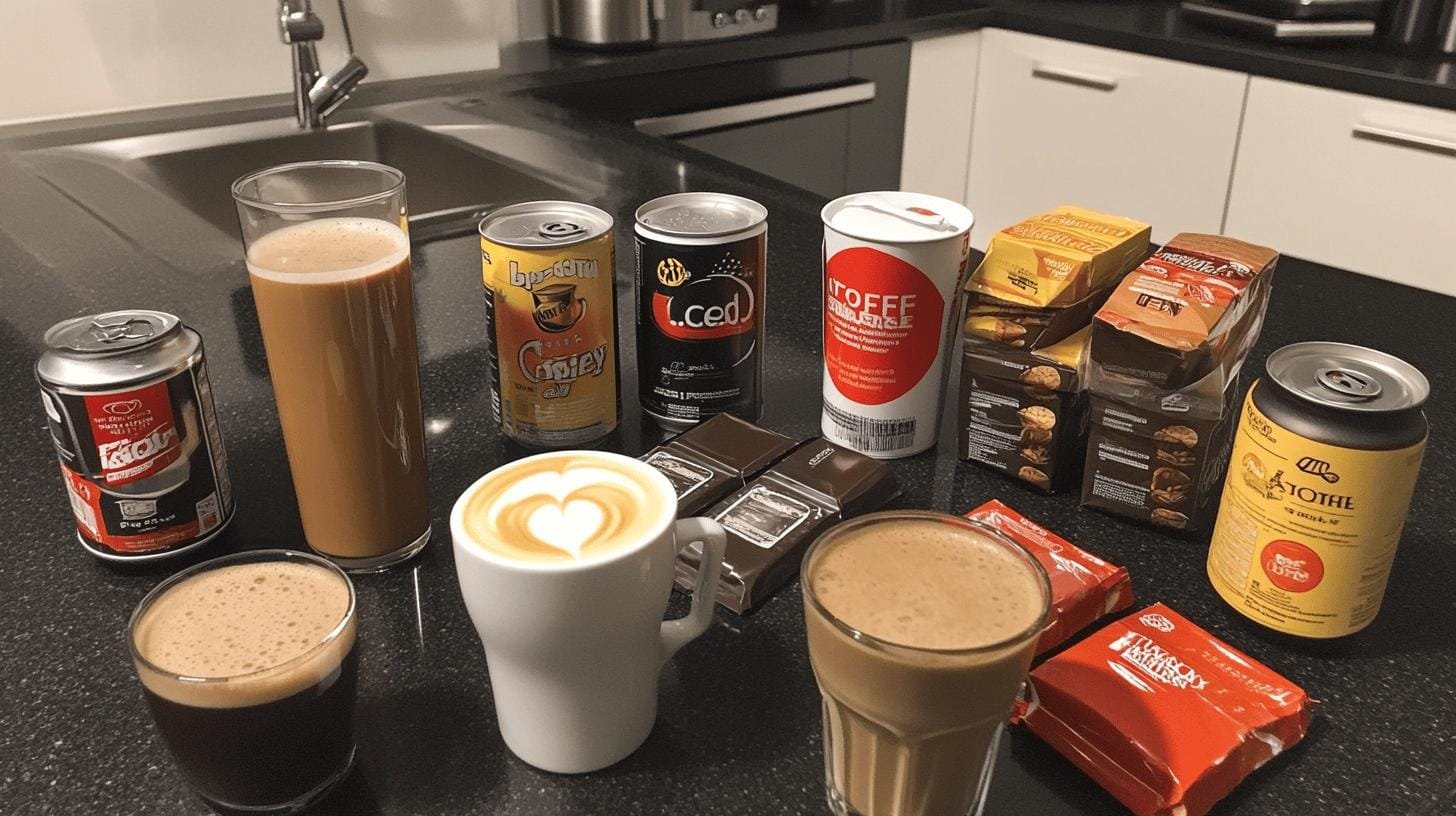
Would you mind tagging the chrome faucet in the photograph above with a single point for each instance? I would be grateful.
(316, 95)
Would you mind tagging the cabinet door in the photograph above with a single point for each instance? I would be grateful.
(1064, 123)
(809, 150)
(1355, 182)
(938, 114)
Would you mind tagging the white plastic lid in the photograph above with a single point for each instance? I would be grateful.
(897, 217)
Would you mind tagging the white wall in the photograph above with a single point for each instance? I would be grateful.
(77, 57)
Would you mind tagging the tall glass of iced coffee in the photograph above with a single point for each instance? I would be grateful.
(329, 263)
(921, 627)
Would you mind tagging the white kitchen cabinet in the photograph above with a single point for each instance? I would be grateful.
(938, 107)
(1064, 123)
(1352, 181)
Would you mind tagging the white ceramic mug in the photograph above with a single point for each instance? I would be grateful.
(574, 648)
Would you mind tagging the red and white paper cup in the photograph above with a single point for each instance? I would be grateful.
(894, 268)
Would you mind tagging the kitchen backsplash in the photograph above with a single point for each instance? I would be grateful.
(95, 56)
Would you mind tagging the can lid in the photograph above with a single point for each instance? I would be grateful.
(897, 217)
(1348, 377)
(534, 224)
(111, 332)
(701, 215)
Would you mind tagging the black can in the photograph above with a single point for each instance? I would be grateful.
(701, 261)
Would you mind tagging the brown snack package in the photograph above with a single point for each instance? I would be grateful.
(1059, 257)
(718, 456)
(1084, 587)
(1196, 305)
(1159, 460)
(772, 520)
(1025, 327)
(1025, 413)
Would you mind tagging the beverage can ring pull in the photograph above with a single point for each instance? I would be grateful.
(1349, 382)
(131, 329)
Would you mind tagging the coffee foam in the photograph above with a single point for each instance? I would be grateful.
(328, 250)
(564, 507)
(928, 584)
(253, 631)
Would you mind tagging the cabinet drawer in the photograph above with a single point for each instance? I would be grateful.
(1348, 180)
(1064, 123)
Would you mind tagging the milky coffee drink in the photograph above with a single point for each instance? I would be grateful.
(337, 313)
(249, 670)
(565, 507)
(949, 613)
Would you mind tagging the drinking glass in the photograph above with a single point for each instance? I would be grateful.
(911, 731)
(273, 739)
(329, 264)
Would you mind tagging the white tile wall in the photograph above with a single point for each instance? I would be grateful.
(77, 57)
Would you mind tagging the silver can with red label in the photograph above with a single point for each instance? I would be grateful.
(131, 414)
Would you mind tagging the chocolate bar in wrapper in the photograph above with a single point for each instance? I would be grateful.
(772, 520)
(714, 459)
(1084, 587)
(1162, 714)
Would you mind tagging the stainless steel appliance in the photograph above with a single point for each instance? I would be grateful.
(1302, 20)
(609, 24)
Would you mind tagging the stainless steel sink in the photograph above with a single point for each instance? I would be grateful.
(447, 179)
(458, 165)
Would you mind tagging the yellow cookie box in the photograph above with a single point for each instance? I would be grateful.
(1059, 257)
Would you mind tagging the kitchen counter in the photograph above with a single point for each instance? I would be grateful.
(738, 730)
(1152, 27)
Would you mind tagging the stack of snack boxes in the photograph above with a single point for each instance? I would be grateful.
(1163, 369)
(1023, 397)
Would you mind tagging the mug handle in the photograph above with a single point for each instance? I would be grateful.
(679, 632)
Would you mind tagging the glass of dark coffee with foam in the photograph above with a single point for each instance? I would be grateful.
(249, 665)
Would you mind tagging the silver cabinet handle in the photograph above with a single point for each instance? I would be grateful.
(1072, 76)
(678, 124)
(1419, 141)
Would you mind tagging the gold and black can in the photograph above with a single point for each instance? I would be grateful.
(1324, 463)
(551, 318)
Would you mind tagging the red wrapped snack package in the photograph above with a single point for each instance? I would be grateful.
(1084, 587)
(1162, 714)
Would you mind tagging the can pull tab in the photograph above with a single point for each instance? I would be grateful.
(132, 329)
(915, 215)
(560, 230)
(1348, 382)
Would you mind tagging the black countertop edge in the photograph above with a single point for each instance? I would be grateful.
(1363, 68)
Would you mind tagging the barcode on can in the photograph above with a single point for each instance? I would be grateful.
(871, 435)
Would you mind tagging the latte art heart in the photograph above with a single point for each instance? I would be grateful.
(566, 528)
(569, 506)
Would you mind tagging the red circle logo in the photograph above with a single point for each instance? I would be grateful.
(1291, 566)
(882, 321)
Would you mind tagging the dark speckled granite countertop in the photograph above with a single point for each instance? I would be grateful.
(738, 731)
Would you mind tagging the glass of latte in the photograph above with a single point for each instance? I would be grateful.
(248, 663)
(329, 263)
(921, 628)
